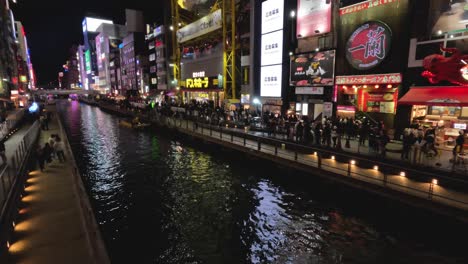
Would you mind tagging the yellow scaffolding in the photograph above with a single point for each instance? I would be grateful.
(229, 44)
(175, 22)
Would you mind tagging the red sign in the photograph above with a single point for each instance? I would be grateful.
(390, 78)
(364, 5)
(368, 45)
(313, 17)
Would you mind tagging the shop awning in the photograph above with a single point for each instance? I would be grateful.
(442, 96)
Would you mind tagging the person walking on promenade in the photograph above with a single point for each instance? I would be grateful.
(459, 143)
(318, 133)
(334, 135)
(2, 151)
(299, 131)
(59, 149)
(40, 157)
(47, 153)
(46, 122)
(51, 142)
(408, 141)
(383, 141)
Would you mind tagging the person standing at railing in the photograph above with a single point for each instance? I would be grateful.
(2, 151)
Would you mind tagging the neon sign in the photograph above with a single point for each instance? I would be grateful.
(368, 45)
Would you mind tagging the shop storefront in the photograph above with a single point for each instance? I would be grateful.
(371, 57)
(203, 89)
(312, 76)
(373, 96)
(445, 107)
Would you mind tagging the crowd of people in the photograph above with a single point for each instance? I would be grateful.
(52, 149)
(327, 132)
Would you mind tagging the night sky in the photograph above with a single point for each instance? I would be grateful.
(52, 27)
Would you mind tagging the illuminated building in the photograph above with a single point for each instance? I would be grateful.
(107, 49)
(90, 26)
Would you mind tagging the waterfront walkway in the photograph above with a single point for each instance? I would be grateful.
(51, 226)
(353, 170)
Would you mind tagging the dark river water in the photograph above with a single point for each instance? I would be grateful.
(162, 199)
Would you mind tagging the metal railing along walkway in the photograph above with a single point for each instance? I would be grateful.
(424, 185)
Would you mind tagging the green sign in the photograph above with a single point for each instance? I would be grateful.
(88, 61)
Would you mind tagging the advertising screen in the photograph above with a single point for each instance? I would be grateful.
(88, 61)
(272, 48)
(452, 15)
(313, 17)
(270, 81)
(313, 69)
(91, 24)
(272, 15)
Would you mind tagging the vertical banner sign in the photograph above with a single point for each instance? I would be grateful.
(313, 17)
(272, 48)
(88, 61)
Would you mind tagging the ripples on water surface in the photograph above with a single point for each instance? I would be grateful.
(159, 200)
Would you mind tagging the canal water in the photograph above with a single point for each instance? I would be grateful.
(163, 199)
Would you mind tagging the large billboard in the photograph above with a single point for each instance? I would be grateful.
(453, 15)
(91, 24)
(201, 27)
(313, 69)
(313, 17)
(272, 48)
(272, 15)
(271, 81)
(373, 37)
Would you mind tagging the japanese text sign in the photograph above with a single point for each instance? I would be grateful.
(368, 45)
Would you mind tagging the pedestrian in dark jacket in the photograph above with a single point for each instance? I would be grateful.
(459, 142)
(40, 157)
(2, 151)
(47, 153)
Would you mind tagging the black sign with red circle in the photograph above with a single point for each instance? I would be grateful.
(369, 44)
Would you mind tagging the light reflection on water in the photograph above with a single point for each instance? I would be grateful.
(158, 200)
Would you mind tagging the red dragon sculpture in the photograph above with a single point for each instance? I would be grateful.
(439, 68)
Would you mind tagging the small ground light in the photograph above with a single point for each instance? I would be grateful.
(353, 162)
(333, 157)
(376, 168)
(315, 153)
(435, 181)
(403, 174)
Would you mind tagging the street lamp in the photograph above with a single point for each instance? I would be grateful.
(293, 13)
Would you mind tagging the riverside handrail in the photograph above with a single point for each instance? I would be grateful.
(93, 235)
(311, 149)
(9, 173)
(386, 171)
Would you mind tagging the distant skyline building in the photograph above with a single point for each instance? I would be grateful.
(107, 48)
(90, 26)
